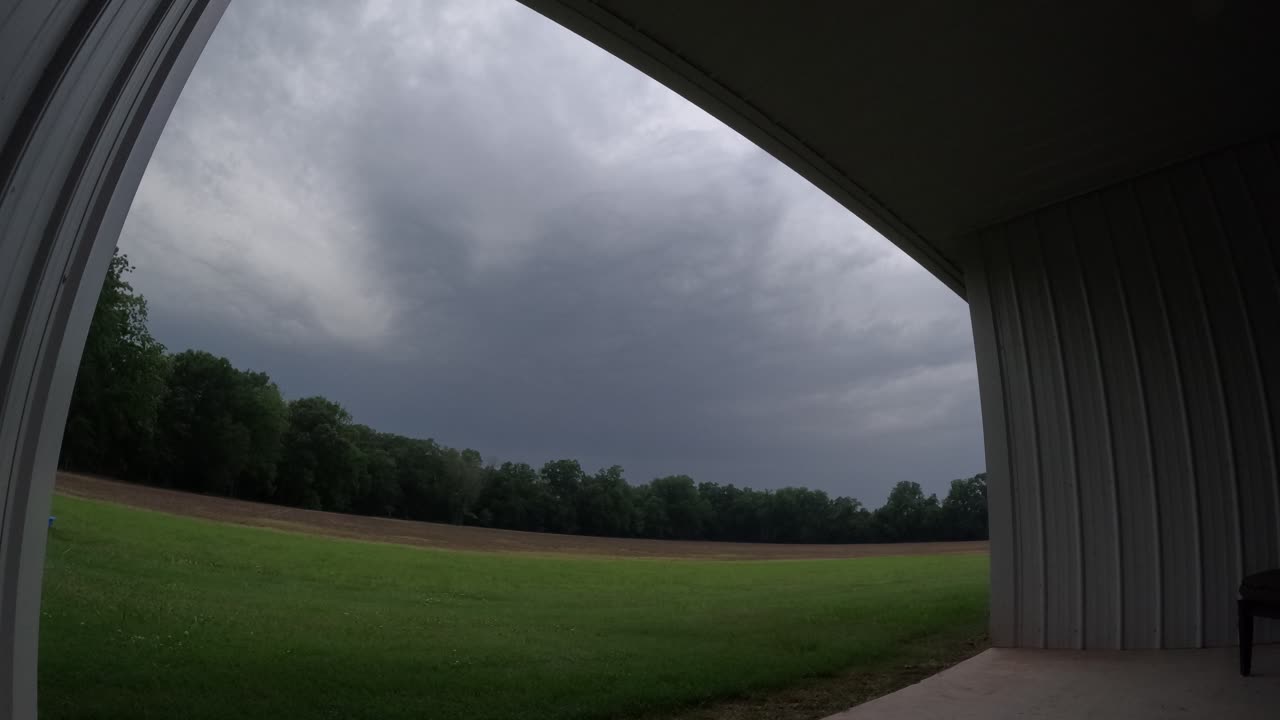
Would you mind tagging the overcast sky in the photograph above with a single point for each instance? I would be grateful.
(464, 222)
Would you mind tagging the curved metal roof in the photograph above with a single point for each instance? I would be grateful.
(932, 119)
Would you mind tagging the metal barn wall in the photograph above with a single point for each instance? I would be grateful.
(85, 88)
(1129, 361)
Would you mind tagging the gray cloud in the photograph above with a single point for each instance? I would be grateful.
(464, 222)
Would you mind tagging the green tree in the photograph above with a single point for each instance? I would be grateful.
(964, 511)
(320, 464)
(799, 515)
(220, 428)
(563, 479)
(111, 422)
(513, 498)
(848, 522)
(194, 421)
(908, 515)
(458, 486)
(606, 504)
(748, 513)
(417, 465)
(261, 409)
(378, 489)
(673, 508)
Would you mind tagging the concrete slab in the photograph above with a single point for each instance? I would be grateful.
(1003, 684)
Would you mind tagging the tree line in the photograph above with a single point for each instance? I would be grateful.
(193, 421)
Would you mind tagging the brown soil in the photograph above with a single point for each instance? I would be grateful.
(454, 537)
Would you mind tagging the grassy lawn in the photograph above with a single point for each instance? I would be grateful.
(149, 615)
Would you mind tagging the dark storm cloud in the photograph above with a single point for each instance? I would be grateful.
(463, 222)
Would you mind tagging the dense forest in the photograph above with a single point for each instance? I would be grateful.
(193, 421)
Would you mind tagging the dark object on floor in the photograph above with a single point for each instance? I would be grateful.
(1259, 597)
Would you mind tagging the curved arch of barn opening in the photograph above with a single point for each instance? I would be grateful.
(1100, 183)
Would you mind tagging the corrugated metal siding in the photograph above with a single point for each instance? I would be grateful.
(86, 88)
(1129, 356)
(1005, 544)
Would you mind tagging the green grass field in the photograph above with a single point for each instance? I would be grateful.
(147, 615)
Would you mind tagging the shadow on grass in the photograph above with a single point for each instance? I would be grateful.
(822, 696)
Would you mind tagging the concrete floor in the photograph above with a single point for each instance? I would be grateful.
(1095, 684)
